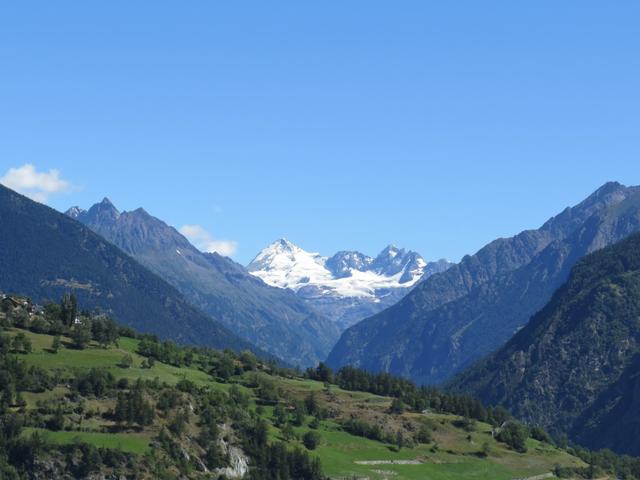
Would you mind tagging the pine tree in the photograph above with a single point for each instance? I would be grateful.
(311, 404)
(279, 415)
(69, 308)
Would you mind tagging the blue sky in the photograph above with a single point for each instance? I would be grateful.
(436, 126)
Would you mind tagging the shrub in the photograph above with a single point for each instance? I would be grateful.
(126, 361)
(311, 440)
(423, 435)
(515, 435)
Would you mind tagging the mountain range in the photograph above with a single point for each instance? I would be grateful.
(274, 319)
(545, 323)
(575, 366)
(456, 317)
(45, 254)
(347, 286)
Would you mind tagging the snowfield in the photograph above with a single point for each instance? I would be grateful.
(285, 265)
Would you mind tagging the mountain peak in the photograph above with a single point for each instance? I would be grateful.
(107, 203)
(284, 243)
(390, 251)
(612, 191)
(347, 286)
(608, 188)
(103, 212)
(280, 246)
(141, 211)
(74, 212)
(283, 264)
(280, 250)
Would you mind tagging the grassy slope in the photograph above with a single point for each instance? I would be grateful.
(456, 456)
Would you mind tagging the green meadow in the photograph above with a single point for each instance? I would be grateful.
(453, 453)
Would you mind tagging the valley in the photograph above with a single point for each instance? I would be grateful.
(319, 240)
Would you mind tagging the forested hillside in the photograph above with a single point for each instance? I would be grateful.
(44, 254)
(574, 367)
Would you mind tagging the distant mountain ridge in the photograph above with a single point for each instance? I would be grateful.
(45, 254)
(454, 318)
(348, 285)
(276, 320)
(574, 367)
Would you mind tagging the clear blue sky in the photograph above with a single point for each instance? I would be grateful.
(436, 126)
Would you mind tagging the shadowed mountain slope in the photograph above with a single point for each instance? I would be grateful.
(456, 317)
(274, 319)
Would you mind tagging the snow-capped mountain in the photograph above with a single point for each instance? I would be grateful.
(347, 286)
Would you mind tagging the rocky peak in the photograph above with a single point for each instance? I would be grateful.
(104, 212)
(75, 212)
(343, 262)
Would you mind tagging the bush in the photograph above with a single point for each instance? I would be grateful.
(515, 435)
(56, 344)
(361, 428)
(466, 423)
(126, 361)
(486, 450)
(423, 435)
(56, 422)
(396, 406)
(311, 440)
(539, 434)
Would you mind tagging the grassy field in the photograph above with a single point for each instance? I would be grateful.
(109, 358)
(456, 457)
(129, 442)
(453, 454)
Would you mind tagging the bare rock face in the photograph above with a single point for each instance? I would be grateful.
(239, 462)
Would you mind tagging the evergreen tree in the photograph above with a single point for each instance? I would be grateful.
(69, 309)
(311, 404)
(279, 415)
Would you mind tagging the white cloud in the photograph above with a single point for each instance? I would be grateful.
(35, 185)
(204, 241)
